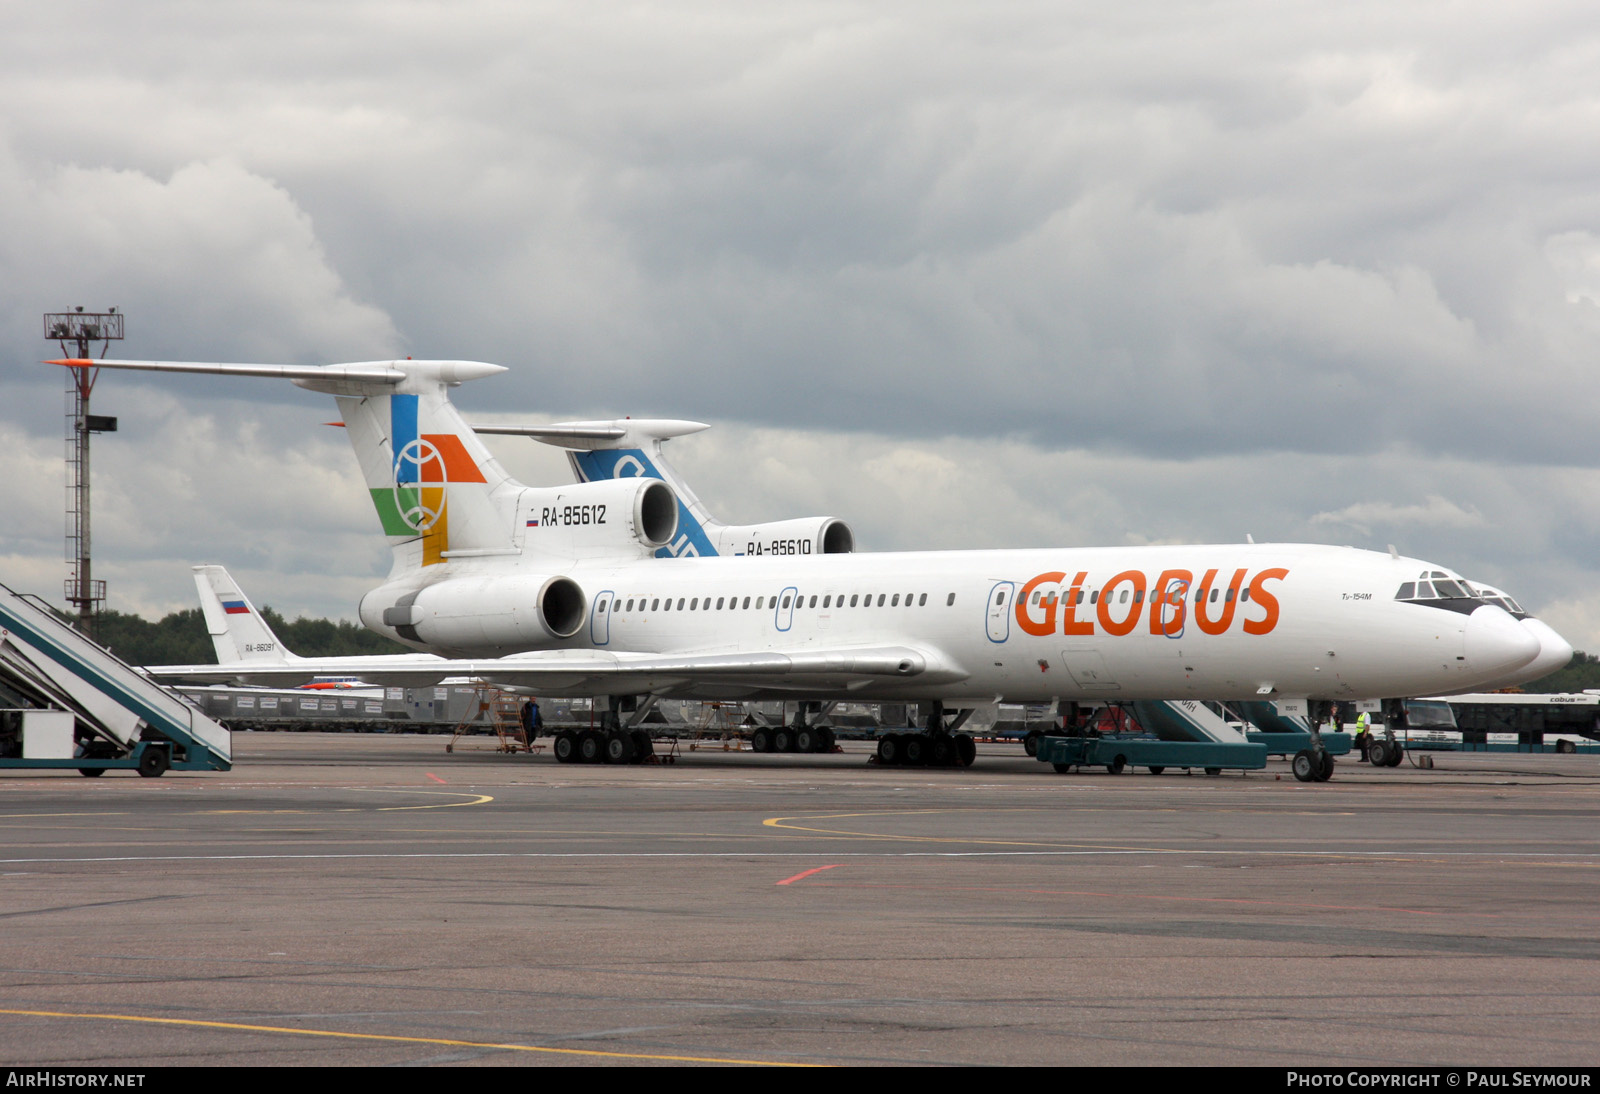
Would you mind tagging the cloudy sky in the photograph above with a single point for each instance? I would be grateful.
(1009, 274)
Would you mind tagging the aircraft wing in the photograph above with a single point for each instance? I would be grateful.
(597, 672)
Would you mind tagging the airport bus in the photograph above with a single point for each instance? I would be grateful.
(1531, 723)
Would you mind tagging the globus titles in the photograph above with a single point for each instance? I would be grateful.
(1164, 605)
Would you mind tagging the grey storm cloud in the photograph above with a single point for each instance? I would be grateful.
(965, 275)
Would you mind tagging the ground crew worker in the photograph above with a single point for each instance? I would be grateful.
(1362, 728)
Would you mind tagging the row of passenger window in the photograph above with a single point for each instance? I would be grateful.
(1226, 595)
(733, 603)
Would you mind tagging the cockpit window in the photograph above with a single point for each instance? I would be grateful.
(1439, 590)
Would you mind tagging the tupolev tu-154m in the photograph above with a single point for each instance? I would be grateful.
(559, 590)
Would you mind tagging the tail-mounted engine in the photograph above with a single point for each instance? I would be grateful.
(626, 518)
(480, 616)
(803, 536)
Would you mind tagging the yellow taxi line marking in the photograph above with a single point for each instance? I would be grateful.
(403, 1039)
(783, 822)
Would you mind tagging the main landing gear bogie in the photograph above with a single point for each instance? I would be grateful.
(926, 750)
(806, 738)
(612, 746)
(938, 745)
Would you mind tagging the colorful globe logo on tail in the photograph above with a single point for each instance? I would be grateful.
(420, 506)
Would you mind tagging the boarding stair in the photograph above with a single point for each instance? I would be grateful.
(72, 703)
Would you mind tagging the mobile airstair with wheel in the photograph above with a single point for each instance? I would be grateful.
(66, 702)
(1181, 734)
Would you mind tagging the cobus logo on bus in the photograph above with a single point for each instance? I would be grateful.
(1062, 607)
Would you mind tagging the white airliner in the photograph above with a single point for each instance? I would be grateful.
(560, 590)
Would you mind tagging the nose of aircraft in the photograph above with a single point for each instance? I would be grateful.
(1495, 642)
(1554, 651)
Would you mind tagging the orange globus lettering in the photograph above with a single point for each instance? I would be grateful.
(1229, 602)
(1268, 602)
(1121, 627)
(1038, 627)
(1168, 598)
(1069, 608)
(1169, 592)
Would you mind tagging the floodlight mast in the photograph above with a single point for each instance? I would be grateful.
(80, 329)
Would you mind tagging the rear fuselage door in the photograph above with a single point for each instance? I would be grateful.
(600, 620)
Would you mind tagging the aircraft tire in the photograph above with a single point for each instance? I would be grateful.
(941, 751)
(1325, 770)
(807, 740)
(966, 750)
(591, 747)
(915, 747)
(761, 740)
(1378, 754)
(153, 762)
(783, 739)
(890, 750)
(828, 739)
(1395, 752)
(619, 747)
(642, 745)
(566, 747)
(1304, 766)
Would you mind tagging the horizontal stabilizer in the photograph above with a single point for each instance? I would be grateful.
(591, 436)
(373, 372)
(340, 379)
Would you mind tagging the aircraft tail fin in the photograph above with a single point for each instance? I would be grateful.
(237, 630)
(437, 489)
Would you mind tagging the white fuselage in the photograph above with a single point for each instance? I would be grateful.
(1289, 620)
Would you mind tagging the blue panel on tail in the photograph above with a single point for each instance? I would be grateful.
(403, 437)
(624, 463)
